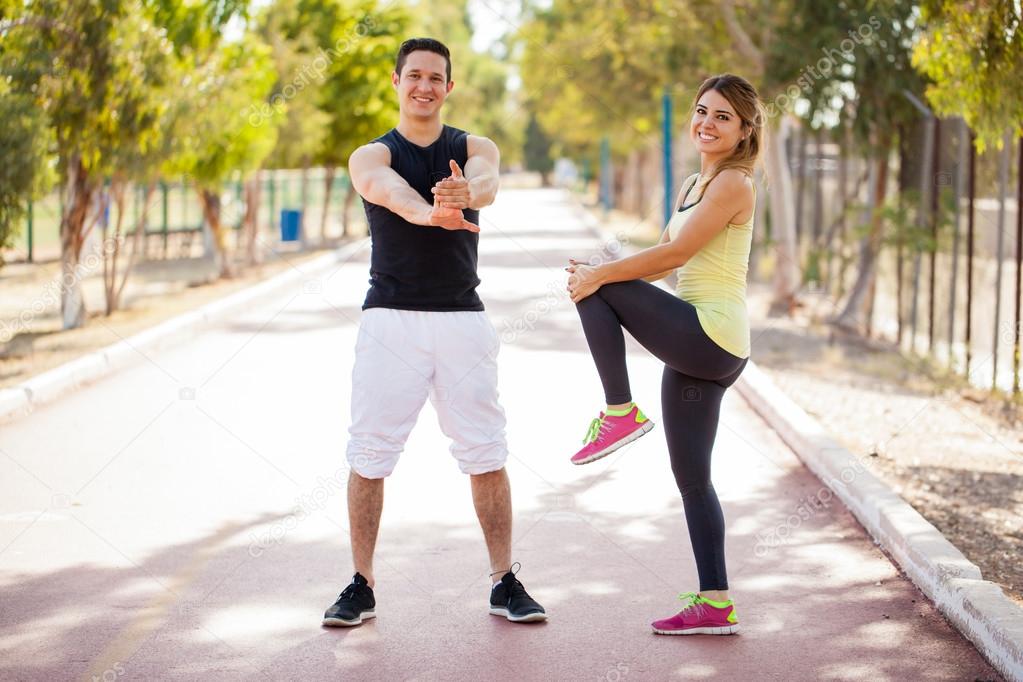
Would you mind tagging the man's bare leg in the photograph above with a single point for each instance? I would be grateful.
(491, 495)
(365, 504)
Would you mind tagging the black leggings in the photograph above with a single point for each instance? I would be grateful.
(696, 373)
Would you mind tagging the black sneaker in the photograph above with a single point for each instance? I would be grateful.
(508, 598)
(355, 603)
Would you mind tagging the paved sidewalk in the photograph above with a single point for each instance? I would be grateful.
(185, 517)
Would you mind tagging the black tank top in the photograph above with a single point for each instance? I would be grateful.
(417, 267)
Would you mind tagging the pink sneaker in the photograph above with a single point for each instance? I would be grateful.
(700, 617)
(608, 432)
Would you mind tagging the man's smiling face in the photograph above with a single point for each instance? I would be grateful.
(423, 84)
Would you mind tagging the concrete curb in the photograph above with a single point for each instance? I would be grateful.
(20, 400)
(976, 607)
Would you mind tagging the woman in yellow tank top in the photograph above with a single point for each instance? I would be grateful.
(701, 333)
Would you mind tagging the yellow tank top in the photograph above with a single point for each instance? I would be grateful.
(714, 281)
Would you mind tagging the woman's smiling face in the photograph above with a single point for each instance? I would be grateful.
(715, 127)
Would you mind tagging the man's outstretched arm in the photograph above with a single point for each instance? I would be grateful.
(477, 187)
(378, 183)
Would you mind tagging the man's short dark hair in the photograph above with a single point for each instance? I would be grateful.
(428, 44)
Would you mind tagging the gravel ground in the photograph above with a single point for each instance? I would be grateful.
(951, 451)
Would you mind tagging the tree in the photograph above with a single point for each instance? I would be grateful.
(592, 70)
(224, 139)
(93, 69)
(95, 96)
(537, 151)
(599, 68)
(973, 53)
(879, 73)
(296, 94)
(25, 174)
(150, 73)
(351, 44)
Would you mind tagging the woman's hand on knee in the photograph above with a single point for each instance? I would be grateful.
(583, 280)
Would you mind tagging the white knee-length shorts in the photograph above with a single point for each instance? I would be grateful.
(403, 357)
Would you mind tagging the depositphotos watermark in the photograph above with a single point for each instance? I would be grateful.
(55, 289)
(823, 67)
(1010, 331)
(556, 294)
(615, 673)
(110, 674)
(305, 505)
(807, 508)
(313, 71)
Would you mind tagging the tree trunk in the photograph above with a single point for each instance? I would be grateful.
(346, 210)
(852, 317)
(781, 208)
(254, 255)
(303, 237)
(640, 163)
(114, 287)
(817, 207)
(801, 133)
(111, 250)
(138, 240)
(759, 235)
(628, 201)
(835, 283)
(210, 201)
(77, 199)
(328, 189)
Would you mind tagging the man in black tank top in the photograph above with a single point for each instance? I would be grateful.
(423, 332)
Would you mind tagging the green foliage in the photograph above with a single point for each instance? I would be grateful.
(974, 54)
(114, 80)
(334, 59)
(219, 139)
(595, 68)
(537, 151)
(24, 169)
(69, 63)
(480, 101)
(849, 59)
(360, 40)
(194, 28)
(296, 91)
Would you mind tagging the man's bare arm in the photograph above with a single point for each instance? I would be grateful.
(477, 186)
(378, 183)
(482, 170)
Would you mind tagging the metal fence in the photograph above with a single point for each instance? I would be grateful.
(948, 282)
(949, 270)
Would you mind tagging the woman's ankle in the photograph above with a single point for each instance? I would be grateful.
(715, 595)
(619, 409)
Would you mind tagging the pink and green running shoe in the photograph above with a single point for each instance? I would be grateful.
(610, 431)
(701, 617)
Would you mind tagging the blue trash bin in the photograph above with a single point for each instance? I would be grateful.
(290, 221)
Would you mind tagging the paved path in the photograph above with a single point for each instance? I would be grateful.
(185, 518)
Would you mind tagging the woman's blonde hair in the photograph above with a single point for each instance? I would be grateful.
(744, 99)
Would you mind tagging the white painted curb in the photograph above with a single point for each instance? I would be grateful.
(20, 400)
(976, 607)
